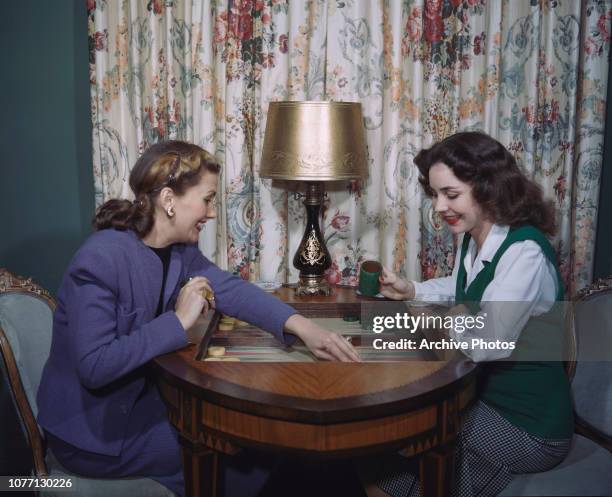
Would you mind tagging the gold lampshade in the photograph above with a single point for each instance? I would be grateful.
(314, 141)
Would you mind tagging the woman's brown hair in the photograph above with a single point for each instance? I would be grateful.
(174, 164)
(505, 194)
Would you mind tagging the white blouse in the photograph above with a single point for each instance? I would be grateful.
(525, 281)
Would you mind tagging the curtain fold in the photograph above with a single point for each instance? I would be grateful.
(531, 73)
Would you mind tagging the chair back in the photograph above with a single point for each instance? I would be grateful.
(592, 382)
(26, 317)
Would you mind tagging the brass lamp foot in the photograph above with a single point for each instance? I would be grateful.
(312, 285)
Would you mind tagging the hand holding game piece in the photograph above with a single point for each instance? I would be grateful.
(191, 301)
(394, 287)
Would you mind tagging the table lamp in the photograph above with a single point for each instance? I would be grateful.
(314, 142)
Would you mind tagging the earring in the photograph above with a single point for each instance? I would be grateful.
(170, 211)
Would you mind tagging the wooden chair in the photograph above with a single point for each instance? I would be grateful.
(26, 316)
(587, 470)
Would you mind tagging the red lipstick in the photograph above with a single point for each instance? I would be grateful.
(452, 221)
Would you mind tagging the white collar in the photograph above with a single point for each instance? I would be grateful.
(496, 236)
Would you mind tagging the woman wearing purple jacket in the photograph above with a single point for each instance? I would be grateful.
(121, 303)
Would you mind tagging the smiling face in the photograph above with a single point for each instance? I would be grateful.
(193, 209)
(453, 201)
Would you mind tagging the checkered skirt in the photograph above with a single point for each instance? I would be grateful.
(489, 451)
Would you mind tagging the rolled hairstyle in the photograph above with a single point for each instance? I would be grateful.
(501, 189)
(174, 164)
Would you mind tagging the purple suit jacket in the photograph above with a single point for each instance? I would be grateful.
(105, 329)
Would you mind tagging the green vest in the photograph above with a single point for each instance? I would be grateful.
(532, 395)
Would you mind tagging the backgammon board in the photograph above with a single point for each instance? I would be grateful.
(247, 343)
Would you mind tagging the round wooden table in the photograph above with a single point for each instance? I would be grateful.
(319, 409)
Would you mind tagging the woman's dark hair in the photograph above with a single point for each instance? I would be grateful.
(175, 164)
(501, 189)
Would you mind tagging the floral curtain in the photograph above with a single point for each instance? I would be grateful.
(532, 73)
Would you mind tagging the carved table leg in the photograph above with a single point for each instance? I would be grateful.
(437, 471)
(201, 470)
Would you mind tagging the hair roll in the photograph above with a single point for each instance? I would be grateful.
(115, 213)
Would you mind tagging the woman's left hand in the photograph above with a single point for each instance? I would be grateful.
(322, 343)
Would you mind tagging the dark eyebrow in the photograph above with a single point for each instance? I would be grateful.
(447, 188)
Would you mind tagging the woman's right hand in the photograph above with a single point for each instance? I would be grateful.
(393, 287)
(322, 343)
(191, 302)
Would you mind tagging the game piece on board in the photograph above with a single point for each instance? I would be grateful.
(216, 351)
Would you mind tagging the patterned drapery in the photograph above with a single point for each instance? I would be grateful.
(532, 73)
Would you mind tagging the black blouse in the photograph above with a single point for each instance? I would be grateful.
(164, 256)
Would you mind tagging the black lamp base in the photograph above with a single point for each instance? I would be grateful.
(312, 257)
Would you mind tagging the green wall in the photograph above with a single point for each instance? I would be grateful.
(46, 182)
(603, 247)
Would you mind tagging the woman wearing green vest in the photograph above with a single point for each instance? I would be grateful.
(522, 421)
